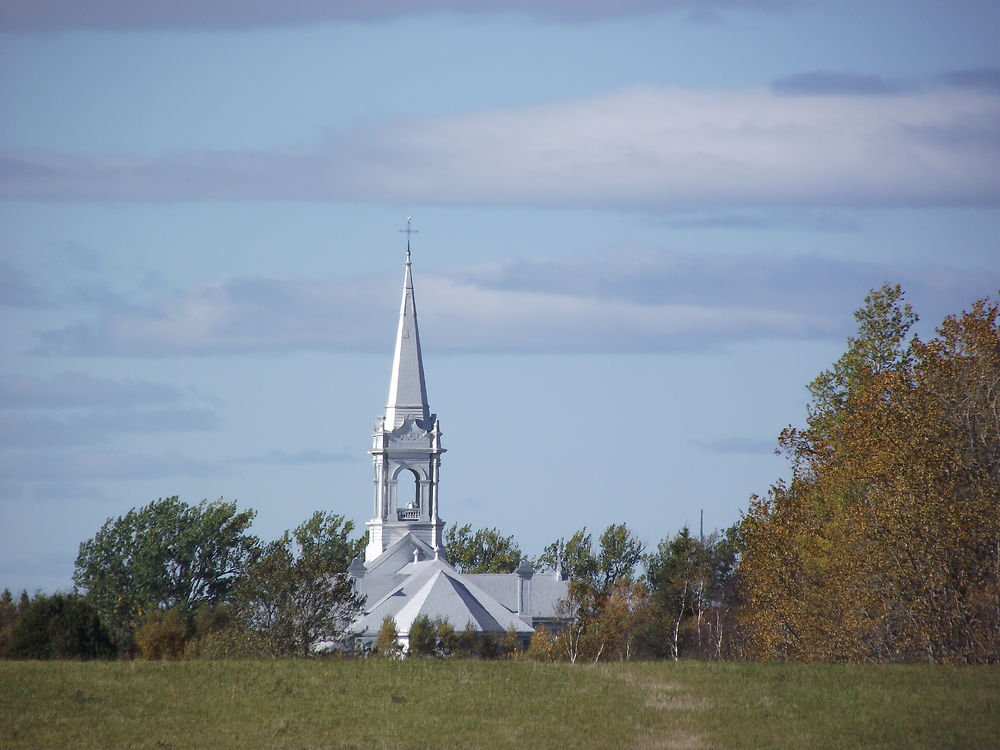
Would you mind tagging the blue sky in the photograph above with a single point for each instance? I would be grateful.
(644, 227)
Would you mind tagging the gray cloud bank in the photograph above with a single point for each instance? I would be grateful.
(627, 301)
(100, 463)
(75, 409)
(298, 458)
(834, 83)
(654, 149)
(120, 15)
(74, 389)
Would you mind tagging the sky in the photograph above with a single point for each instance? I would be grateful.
(643, 228)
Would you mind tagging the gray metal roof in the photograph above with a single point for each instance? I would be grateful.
(400, 584)
(435, 589)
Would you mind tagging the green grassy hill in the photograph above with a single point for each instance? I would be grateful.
(334, 703)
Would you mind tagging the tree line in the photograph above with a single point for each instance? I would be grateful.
(883, 546)
(173, 579)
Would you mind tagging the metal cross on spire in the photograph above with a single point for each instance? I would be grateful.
(409, 230)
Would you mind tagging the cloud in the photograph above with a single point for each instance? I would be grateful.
(630, 300)
(51, 489)
(652, 149)
(791, 285)
(88, 464)
(83, 409)
(827, 83)
(117, 15)
(462, 315)
(298, 458)
(819, 221)
(17, 288)
(986, 80)
(74, 389)
(20, 430)
(241, 315)
(68, 275)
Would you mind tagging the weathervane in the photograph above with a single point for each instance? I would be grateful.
(409, 230)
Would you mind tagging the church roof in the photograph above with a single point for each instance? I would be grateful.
(547, 590)
(434, 588)
(407, 389)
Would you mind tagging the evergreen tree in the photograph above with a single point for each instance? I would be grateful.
(60, 626)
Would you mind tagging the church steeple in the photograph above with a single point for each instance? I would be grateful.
(407, 389)
(406, 444)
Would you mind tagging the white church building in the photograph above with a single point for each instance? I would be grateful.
(405, 572)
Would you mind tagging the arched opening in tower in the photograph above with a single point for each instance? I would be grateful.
(408, 489)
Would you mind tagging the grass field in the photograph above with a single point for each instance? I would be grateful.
(473, 704)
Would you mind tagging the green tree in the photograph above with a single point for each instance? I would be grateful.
(60, 626)
(8, 609)
(485, 551)
(673, 573)
(691, 592)
(423, 640)
(164, 555)
(593, 576)
(618, 554)
(297, 592)
(574, 557)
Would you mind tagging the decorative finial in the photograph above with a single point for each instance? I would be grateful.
(409, 230)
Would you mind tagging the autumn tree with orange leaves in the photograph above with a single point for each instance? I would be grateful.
(885, 544)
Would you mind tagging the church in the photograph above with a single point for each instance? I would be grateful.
(405, 572)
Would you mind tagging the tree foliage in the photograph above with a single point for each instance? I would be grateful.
(163, 635)
(691, 593)
(485, 551)
(603, 601)
(423, 640)
(297, 591)
(574, 557)
(885, 545)
(619, 551)
(60, 626)
(166, 554)
(387, 644)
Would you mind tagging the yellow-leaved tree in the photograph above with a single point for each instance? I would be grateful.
(885, 544)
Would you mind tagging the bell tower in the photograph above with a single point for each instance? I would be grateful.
(406, 443)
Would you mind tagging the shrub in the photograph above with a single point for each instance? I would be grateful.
(448, 639)
(543, 645)
(232, 643)
(164, 634)
(510, 643)
(387, 645)
(60, 626)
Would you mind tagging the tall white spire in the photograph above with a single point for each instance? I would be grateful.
(406, 444)
(407, 389)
